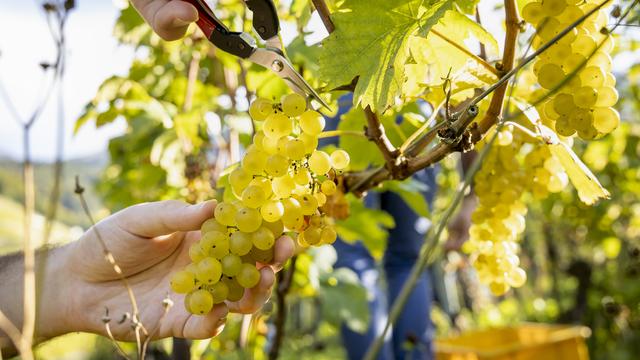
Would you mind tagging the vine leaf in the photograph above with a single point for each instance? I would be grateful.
(371, 41)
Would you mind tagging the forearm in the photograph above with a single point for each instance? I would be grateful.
(52, 307)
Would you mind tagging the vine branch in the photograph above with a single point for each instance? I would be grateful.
(325, 16)
(285, 279)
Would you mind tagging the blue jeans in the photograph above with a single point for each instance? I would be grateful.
(414, 325)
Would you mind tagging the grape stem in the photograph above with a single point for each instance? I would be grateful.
(332, 133)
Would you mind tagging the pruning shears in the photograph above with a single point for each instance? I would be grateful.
(241, 44)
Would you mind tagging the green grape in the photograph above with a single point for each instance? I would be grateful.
(200, 302)
(263, 238)
(592, 76)
(225, 213)
(312, 235)
(558, 182)
(581, 119)
(209, 271)
(248, 219)
(277, 126)
(240, 243)
(588, 133)
(276, 227)
(320, 162)
(235, 291)
(282, 145)
(261, 256)
(328, 235)
(277, 165)
(195, 252)
(605, 119)
(254, 161)
(294, 104)
(328, 187)
(219, 292)
(498, 288)
(302, 177)
(272, 210)
(230, 264)
(553, 7)
(557, 53)
(321, 198)
(264, 184)
(248, 276)
(301, 241)
(215, 244)
(310, 142)
(212, 225)
(192, 268)
(549, 111)
(602, 60)
(315, 220)
(570, 14)
(573, 61)
(239, 179)
(187, 305)
(312, 122)
(340, 159)
(585, 97)
(548, 29)
(295, 149)
(253, 196)
(270, 145)
(609, 80)
(607, 96)
(182, 282)
(584, 45)
(532, 13)
(258, 139)
(292, 217)
(283, 186)
(517, 277)
(260, 109)
(308, 204)
(550, 76)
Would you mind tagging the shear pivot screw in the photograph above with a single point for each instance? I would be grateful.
(277, 65)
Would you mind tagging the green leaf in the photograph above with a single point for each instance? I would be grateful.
(187, 127)
(410, 191)
(344, 300)
(371, 41)
(362, 152)
(367, 225)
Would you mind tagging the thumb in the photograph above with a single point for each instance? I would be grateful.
(164, 217)
(169, 19)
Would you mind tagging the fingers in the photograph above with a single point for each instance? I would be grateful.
(207, 326)
(254, 298)
(169, 19)
(164, 217)
(283, 251)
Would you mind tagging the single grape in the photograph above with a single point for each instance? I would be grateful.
(225, 213)
(235, 291)
(261, 256)
(588, 133)
(312, 235)
(301, 241)
(195, 252)
(283, 186)
(260, 109)
(219, 292)
(573, 62)
(581, 119)
(320, 162)
(270, 145)
(308, 204)
(585, 97)
(248, 219)
(272, 210)
(263, 238)
(292, 217)
(607, 96)
(240, 243)
(258, 139)
(254, 161)
(294, 104)
(302, 177)
(310, 142)
(215, 244)
(277, 126)
(340, 159)
(248, 276)
(212, 225)
(312, 122)
(609, 80)
(517, 277)
(276, 227)
(553, 7)
(182, 282)
(200, 302)
(209, 271)
(532, 13)
(605, 119)
(295, 149)
(498, 288)
(584, 45)
(592, 76)
(230, 264)
(321, 198)
(328, 187)
(239, 179)
(277, 165)
(328, 235)
(264, 184)
(602, 60)
(253, 196)
(550, 76)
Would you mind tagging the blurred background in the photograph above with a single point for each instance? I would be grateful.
(583, 262)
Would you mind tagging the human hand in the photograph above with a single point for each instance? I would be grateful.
(150, 242)
(170, 19)
(458, 227)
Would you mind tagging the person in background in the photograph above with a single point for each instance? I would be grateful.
(411, 336)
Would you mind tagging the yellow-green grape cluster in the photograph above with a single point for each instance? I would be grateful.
(544, 173)
(280, 185)
(584, 102)
(499, 218)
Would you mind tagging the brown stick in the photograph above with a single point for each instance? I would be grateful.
(323, 11)
(376, 133)
(284, 285)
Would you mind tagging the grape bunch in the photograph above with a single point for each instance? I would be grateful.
(499, 219)
(584, 101)
(281, 185)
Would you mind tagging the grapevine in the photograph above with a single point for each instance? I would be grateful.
(281, 185)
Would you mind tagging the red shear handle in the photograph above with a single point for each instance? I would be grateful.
(206, 20)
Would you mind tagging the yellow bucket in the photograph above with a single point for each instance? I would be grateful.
(524, 342)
